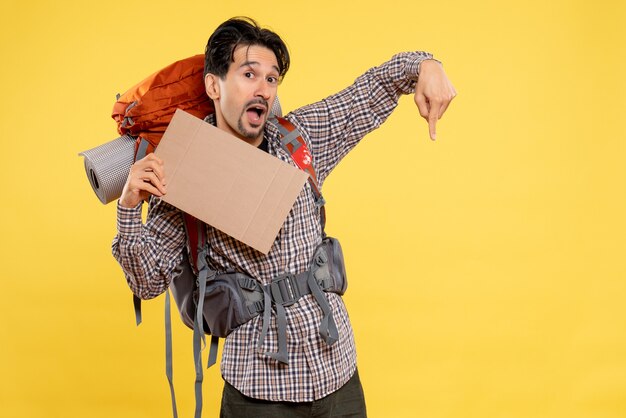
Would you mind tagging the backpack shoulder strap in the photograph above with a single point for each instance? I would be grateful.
(197, 244)
(291, 140)
(196, 238)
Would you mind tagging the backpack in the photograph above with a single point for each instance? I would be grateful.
(144, 113)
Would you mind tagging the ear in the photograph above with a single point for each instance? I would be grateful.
(212, 86)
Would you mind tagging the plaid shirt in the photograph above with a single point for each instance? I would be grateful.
(149, 253)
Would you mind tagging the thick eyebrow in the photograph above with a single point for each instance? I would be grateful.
(253, 63)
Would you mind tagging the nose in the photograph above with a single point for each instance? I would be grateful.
(263, 90)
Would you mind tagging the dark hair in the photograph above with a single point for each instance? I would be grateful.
(241, 31)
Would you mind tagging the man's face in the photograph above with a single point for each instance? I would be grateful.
(245, 95)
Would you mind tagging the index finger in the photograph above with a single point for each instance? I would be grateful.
(433, 117)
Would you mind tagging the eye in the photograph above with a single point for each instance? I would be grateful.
(248, 74)
(272, 80)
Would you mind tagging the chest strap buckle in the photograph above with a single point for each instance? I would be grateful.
(284, 290)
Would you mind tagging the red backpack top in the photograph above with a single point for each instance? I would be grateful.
(146, 109)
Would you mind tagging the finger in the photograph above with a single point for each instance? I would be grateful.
(151, 167)
(422, 105)
(143, 187)
(147, 182)
(443, 109)
(157, 169)
(433, 116)
(446, 103)
(150, 178)
(152, 157)
(149, 187)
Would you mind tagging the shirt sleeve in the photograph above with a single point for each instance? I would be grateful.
(149, 253)
(336, 124)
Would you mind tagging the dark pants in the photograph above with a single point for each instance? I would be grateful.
(348, 401)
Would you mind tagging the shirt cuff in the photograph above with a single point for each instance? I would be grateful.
(129, 220)
(413, 68)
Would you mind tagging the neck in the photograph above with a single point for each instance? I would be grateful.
(254, 142)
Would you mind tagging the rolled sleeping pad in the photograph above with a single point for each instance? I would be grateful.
(107, 166)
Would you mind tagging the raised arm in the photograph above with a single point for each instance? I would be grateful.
(336, 124)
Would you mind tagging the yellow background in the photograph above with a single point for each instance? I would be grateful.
(487, 272)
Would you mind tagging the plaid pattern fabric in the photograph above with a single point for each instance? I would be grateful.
(149, 253)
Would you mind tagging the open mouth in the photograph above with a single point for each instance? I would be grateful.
(256, 113)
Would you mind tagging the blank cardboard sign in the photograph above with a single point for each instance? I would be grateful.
(223, 181)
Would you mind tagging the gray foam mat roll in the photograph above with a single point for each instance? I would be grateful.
(107, 167)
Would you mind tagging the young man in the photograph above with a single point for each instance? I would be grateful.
(243, 67)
